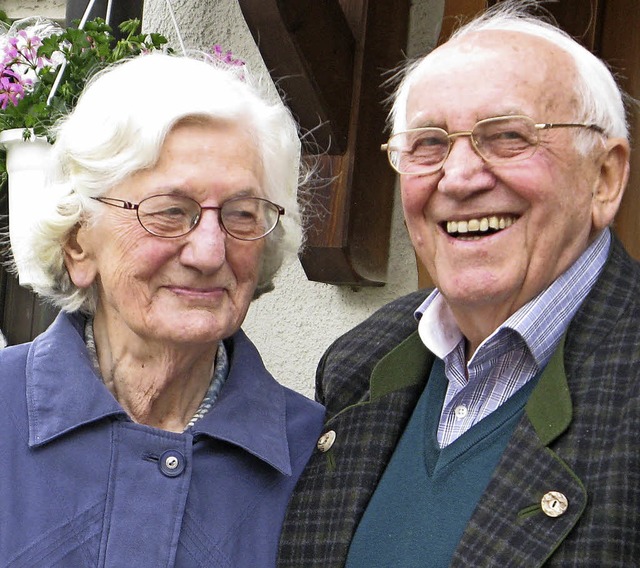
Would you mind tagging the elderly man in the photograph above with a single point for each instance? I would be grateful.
(495, 420)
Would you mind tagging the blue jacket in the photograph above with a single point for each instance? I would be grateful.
(83, 485)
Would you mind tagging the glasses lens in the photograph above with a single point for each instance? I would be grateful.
(505, 138)
(418, 151)
(249, 218)
(168, 215)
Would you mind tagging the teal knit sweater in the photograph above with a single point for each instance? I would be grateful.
(426, 495)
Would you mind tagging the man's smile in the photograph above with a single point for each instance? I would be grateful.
(478, 227)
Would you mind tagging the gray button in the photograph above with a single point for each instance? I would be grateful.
(554, 504)
(172, 463)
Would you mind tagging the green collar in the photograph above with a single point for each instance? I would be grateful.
(549, 407)
(406, 365)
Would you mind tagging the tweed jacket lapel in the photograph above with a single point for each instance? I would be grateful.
(577, 390)
(508, 526)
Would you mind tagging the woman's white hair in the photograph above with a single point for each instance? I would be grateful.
(118, 128)
(600, 100)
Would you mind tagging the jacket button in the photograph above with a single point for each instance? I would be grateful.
(554, 504)
(326, 441)
(172, 463)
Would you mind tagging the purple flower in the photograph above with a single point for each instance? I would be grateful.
(22, 49)
(12, 87)
(226, 57)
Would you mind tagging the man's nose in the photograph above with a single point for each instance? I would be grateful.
(464, 170)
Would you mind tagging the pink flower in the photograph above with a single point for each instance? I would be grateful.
(12, 87)
(226, 57)
(22, 49)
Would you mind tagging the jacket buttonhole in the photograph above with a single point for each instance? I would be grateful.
(529, 511)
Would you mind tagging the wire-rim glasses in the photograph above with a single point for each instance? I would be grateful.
(172, 216)
(496, 140)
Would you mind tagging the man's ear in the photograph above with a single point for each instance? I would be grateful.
(611, 183)
(79, 258)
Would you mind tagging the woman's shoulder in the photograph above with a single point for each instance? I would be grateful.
(299, 403)
(13, 358)
(302, 412)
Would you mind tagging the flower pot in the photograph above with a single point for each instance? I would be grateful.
(28, 199)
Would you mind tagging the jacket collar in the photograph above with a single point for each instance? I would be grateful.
(63, 390)
(406, 365)
(64, 393)
(549, 406)
(250, 411)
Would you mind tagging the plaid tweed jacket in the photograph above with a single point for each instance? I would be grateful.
(579, 435)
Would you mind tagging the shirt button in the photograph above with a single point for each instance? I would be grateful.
(461, 412)
(172, 463)
(326, 441)
(554, 504)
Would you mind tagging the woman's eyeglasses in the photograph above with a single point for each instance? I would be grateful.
(170, 216)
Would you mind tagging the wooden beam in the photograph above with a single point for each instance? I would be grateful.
(331, 59)
(309, 50)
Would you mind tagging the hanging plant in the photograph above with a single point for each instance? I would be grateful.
(44, 68)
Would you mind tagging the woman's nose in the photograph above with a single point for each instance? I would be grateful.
(206, 245)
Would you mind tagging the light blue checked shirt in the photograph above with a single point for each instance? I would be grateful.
(514, 353)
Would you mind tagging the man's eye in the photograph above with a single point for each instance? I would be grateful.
(507, 135)
(429, 142)
(426, 140)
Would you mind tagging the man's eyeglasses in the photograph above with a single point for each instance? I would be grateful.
(170, 216)
(496, 140)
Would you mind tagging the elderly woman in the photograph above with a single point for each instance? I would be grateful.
(142, 429)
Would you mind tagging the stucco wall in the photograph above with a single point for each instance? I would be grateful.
(54, 9)
(295, 323)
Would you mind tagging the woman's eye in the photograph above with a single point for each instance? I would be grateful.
(240, 215)
(173, 212)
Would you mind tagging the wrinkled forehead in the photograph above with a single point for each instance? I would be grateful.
(498, 66)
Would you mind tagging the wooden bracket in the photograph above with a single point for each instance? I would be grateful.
(331, 58)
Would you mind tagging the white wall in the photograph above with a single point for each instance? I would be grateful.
(292, 325)
(53, 9)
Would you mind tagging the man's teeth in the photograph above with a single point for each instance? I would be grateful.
(483, 225)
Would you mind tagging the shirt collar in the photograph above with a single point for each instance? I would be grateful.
(541, 322)
(64, 393)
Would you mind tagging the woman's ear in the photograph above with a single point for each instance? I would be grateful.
(611, 183)
(79, 257)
